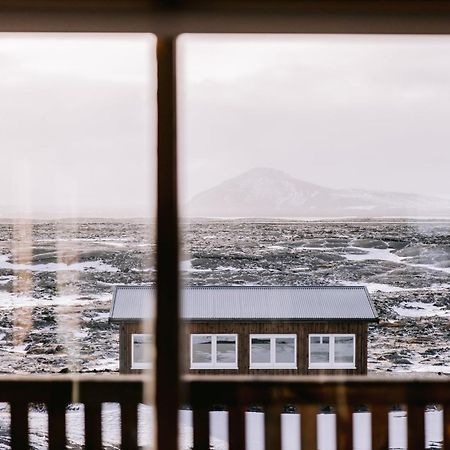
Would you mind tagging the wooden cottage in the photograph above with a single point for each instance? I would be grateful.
(253, 329)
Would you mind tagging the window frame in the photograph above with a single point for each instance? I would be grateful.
(272, 365)
(331, 364)
(214, 365)
(136, 366)
(164, 20)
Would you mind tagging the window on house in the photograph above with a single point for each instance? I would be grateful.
(277, 351)
(332, 351)
(141, 357)
(214, 351)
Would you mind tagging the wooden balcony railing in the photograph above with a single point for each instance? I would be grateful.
(236, 394)
(59, 391)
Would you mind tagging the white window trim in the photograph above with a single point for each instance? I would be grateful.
(272, 364)
(331, 364)
(138, 365)
(214, 364)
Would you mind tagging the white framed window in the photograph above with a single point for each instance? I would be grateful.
(141, 351)
(214, 351)
(273, 351)
(332, 351)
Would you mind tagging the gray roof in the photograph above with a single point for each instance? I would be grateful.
(203, 303)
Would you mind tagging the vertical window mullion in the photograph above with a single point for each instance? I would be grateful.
(332, 350)
(354, 350)
(214, 349)
(272, 351)
(167, 304)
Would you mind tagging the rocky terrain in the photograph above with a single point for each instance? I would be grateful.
(404, 264)
(55, 291)
(56, 281)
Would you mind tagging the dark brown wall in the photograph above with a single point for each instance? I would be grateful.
(126, 330)
(243, 330)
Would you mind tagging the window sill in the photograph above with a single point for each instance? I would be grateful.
(214, 368)
(272, 367)
(141, 367)
(327, 367)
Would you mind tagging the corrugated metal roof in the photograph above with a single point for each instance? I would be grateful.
(250, 303)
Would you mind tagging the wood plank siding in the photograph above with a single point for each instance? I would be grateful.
(127, 329)
(243, 329)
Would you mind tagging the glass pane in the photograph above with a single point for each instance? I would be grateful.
(343, 349)
(285, 350)
(260, 350)
(78, 197)
(142, 349)
(201, 349)
(319, 350)
(226, 349)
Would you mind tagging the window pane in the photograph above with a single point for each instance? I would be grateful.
(201, 349)
(142, 349)
(260, 350)
(226, 349)
(319, 350)
(343, 349)
(285, 350)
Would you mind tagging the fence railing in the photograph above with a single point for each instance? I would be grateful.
(57, 392)
(236, 394)
(307, 394)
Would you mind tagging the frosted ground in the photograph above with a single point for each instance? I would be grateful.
(56, 281)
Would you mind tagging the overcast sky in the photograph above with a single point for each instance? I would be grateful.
(342, 111)
(77, 125)
(77, 116)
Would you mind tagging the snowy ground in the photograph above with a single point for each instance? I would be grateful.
(56, 281)
(291, 429)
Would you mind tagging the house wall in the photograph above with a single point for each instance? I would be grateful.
(243, 330)
(126, 331)
(301, 329)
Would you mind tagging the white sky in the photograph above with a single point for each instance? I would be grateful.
(342, 111)
(77, 116)
(77, 125)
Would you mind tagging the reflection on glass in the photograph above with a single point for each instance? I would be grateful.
(343, 349)
(201, 349)
(285, 350)
(319, 349)
(226, 349)
(260, 350)
(142, 344)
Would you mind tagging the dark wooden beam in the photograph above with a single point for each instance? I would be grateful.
(236, 390)
(159, 17)
(235, 6)
(167, 326)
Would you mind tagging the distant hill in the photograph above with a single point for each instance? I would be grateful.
(266, 192)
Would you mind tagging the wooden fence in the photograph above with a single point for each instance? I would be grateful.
(344, 394)
(236, 394)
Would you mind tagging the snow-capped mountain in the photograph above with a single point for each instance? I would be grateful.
(266, 192)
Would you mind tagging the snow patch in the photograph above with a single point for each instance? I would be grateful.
(420, 309)
(12, 301)
(98, 266)
(381, 254)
